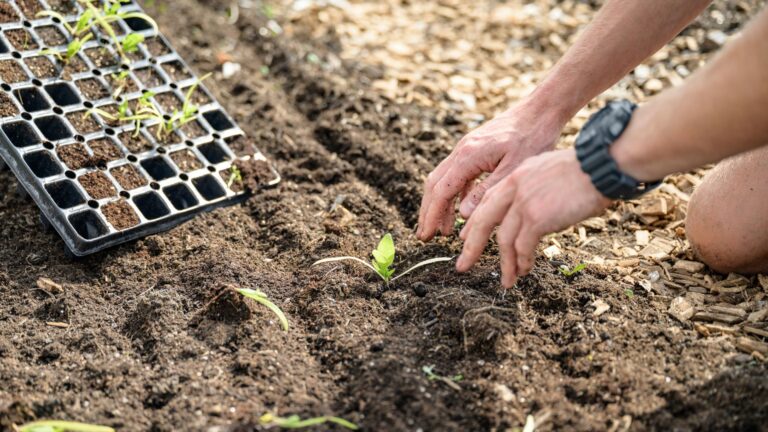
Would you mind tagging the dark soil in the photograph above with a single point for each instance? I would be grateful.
(157, 340)
(128, 177)
(7, 14)
(193, 130)
(21, 40)
(149, 77)
(74, 66)
(51, 36)
(135, 143)
(30, 8)
(104, 151)
(41, 67)
(101, 57)
(120, 215)
(176, 71)
(83, 124)
(92, 89)
(255, 175)
(169, 102)
(112, 110)
(74, 156)
(127, 84)
(7, 107)
(242, 145)
(97, 185)
(186, 161)
(66, 7)
(11, 72)
(156, 47)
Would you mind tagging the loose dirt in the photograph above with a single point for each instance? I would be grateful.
(11, 72)
(84, 124)
(30, 8)
(128, 177)
(7, 14)
(97, 185)
(7, 107)
(120, 215)
(156, 339)
(101, 57)
(92, 89)
(21, 39)
(74, 156)
(51, 36)
(41, 67)
(186, 160)
(104, 151)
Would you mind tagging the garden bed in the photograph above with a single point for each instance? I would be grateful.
(152, 336)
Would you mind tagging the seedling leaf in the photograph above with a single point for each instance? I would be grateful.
(61, 426)
(131, 42)
(572, 272)
(262, 298)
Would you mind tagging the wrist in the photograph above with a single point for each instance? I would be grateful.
(628, 151)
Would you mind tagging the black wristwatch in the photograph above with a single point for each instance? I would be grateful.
(595, 138)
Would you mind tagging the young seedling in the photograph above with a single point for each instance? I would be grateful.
(262, 298)
(109, 14)
(569, 273)
(429, 371)
(60, 426)
(383, 258)
(295, 422)
(234, 176)
(130, 43)
(121, 82)
(73, 48)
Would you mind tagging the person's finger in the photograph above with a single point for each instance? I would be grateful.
(443, 196)
(429, 185)
(525, 245)
(475, 195)
(506, 237)
(489, 214)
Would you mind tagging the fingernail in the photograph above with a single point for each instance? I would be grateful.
(467, 207)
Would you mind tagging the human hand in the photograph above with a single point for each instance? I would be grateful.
(497, 147)
(546, 193)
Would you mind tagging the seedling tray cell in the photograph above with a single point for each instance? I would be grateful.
(99, 182)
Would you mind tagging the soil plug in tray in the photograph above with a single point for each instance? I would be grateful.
(99, 178)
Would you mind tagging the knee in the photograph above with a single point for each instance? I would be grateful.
(713, 240)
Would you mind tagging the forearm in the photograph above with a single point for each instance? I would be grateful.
(623, 34)
(719, 112)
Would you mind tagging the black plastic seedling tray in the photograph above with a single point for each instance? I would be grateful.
(98, 183)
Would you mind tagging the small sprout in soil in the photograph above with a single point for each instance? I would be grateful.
(120, 82)
(262, 298)
(234, 176)
(567, 272)
(295, 422)
(429, 371)
(73, 48)
(383, 257)
(61, 426)
(629, 292)
(264, 70)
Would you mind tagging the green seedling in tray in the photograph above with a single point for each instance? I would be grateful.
(120, 81)
(262, 298)
(383, 258)
(60, 426)
(295, 422)
(234, 176)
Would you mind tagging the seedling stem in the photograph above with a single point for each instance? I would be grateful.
(262, 298)
(295, 422)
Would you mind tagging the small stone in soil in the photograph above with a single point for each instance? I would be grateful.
(120, 215)
(420, 289)
(97, 185)
(128, 177)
